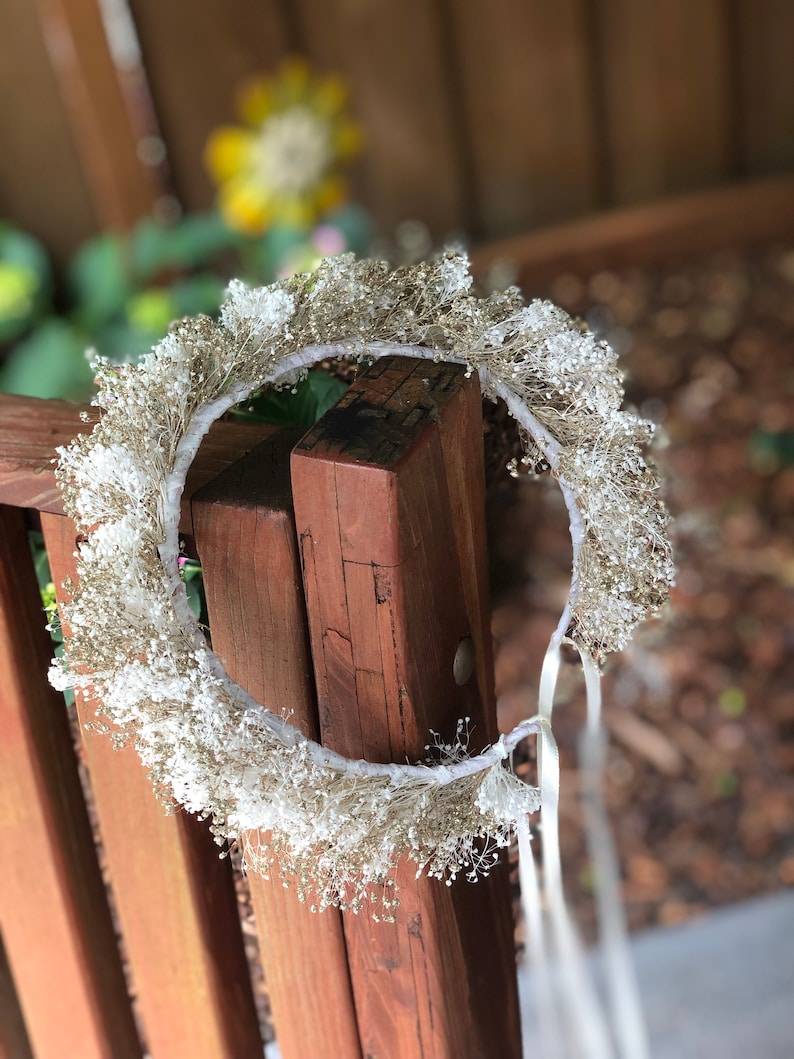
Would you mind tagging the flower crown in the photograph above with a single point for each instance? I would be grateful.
(339, 825)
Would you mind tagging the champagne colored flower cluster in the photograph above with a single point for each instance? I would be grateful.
(338, 825)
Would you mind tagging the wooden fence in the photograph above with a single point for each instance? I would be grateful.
(489, 119)
(312, 603)
(350, 577)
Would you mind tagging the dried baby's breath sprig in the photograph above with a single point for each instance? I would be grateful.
(338, 825)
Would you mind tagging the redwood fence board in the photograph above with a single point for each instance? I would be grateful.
(174, 896)
(665, 72)
(678, 227)
(195, 60)
(14, 1042)
(102, 121)
(54, 914)
(245, 535)
(395, 58)
(37, 140)
(31, 429)
(532, 136)
(764, 31)
(387, 612)
(488, 120)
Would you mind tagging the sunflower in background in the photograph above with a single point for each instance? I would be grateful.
(283, 168)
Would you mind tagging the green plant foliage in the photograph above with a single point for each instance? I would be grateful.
(195, 240)
(302, 406)
(193, 578)
(25, 281)
(771, 450)
(49, 604)
(50, 362)
(125, 292)
(100, 280)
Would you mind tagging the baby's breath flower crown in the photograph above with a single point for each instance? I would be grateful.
(339, 825)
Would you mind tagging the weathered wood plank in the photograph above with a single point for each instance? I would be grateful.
(174, 896)
(195, 64)
(245, 535)
(54, 914)
(529, 109)
(665, 75)
(393, 57)
(378, 489)
(31, 429)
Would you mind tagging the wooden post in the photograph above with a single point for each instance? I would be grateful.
(55, 919)
(175, 897)
(245, 534)
(388, 492)
(14, 1042)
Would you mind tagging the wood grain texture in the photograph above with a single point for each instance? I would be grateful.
(53, 911)
(174, 896)
(31, 429)
(393, 58)
(195, 64)
(764, 35)
(245, 535)
(525, 80)
(665, 73)
(379, 485)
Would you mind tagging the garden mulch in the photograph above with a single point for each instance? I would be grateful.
(700, 709)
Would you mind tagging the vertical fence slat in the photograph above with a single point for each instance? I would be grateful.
(764, 33)
(175, 898)
(664, 68)
(123, 188)
(527, 94)
(393, 57)
(387, 611)
(195, 59)
(55, 919)
(37, 141)
(245, 534)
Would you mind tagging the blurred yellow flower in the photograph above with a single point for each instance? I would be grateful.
(283, 166)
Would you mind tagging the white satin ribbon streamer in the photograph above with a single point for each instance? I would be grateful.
(563, 982)
(622, 989)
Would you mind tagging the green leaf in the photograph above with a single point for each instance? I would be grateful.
(193, 577)
(311, 399)
(264, 256)
(49, 363)
(202, 293)
(100, 280)
(119, 341)
(40, 560)
(190, 243)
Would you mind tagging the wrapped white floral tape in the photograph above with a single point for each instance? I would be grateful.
(338, 825)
